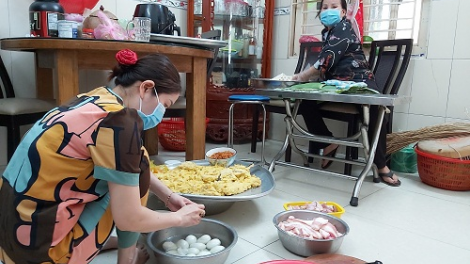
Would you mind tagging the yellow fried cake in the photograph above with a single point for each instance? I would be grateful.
(191, 178)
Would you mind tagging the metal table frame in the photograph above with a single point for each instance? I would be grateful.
(364, 100)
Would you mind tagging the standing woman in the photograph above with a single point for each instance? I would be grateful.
(342, 58)
(82, 169)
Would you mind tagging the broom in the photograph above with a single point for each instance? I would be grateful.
(399, 140)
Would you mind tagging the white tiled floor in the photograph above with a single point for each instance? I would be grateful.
(414, 223)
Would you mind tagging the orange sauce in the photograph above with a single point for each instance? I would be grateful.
(221, 155)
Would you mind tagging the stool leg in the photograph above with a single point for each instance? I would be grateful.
(230, 126)
(264, 135)
(254, 128)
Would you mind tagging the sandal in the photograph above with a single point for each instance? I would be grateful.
(390, 175)
(331, 154)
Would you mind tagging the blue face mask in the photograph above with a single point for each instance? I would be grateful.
(330, 17)
(152, 120)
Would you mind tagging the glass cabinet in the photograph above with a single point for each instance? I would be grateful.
(246, 25)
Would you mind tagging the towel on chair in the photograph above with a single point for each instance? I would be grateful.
(345, 84)
(332, 86)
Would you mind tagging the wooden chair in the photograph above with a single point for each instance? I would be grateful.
(308, 55)
(388, 60)
(16, 112)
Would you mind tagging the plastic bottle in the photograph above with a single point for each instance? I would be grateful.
(43, 17)
(252, 47)
(246, 40)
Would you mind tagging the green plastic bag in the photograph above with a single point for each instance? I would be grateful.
(405, 160)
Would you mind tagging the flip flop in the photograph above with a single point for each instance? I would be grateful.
(390, 175)
(331, 154)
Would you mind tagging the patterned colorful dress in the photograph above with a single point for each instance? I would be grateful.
(54, 197)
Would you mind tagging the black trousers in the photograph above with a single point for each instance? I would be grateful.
(310, 110)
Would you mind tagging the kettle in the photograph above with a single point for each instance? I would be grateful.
(163, 20)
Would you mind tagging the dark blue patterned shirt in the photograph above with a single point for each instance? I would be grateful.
(342, 58)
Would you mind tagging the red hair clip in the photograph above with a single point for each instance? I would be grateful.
(126, 57)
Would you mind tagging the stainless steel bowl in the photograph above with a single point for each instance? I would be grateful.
(227, 235)
(270, 83)
(212, 207)
(308, 247)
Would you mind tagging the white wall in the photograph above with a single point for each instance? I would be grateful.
(14, 22)
(437, 81)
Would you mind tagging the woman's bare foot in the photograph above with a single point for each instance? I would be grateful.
(329, 151)
(141, 255)
(133, 255)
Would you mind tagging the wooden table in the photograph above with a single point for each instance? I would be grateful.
(65, 57)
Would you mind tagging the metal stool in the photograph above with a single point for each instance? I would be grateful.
(247, 99)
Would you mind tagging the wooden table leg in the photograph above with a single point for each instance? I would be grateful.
(67, 75)
(151, 141)
(196, 110)
(44, 83)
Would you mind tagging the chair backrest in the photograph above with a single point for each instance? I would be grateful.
(6, 87)
(308, 55)
(212, 34)
(389, 60)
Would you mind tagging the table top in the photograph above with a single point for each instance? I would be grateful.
(369, 99)
(179, 40)
(32, 44)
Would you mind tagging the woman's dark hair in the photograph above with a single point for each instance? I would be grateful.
(155, 67)
(344, 6)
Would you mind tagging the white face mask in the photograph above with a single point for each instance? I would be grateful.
(152, 120)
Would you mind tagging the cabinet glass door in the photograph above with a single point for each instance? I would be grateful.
(246, 28)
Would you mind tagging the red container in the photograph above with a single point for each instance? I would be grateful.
(78, 6)
(172, 133)
(43, 17)
(442, 172)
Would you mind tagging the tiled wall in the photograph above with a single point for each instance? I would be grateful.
(437, 82)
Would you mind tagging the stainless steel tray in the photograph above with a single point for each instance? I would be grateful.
(199, 42)
(270, 83)
(267, 185)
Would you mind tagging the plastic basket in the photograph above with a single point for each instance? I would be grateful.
(442, 172)
(339, 208)
(172, 133)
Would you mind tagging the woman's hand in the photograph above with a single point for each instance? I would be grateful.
(305, 75)
(191, 214)
(176, 202)
(301, 76)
